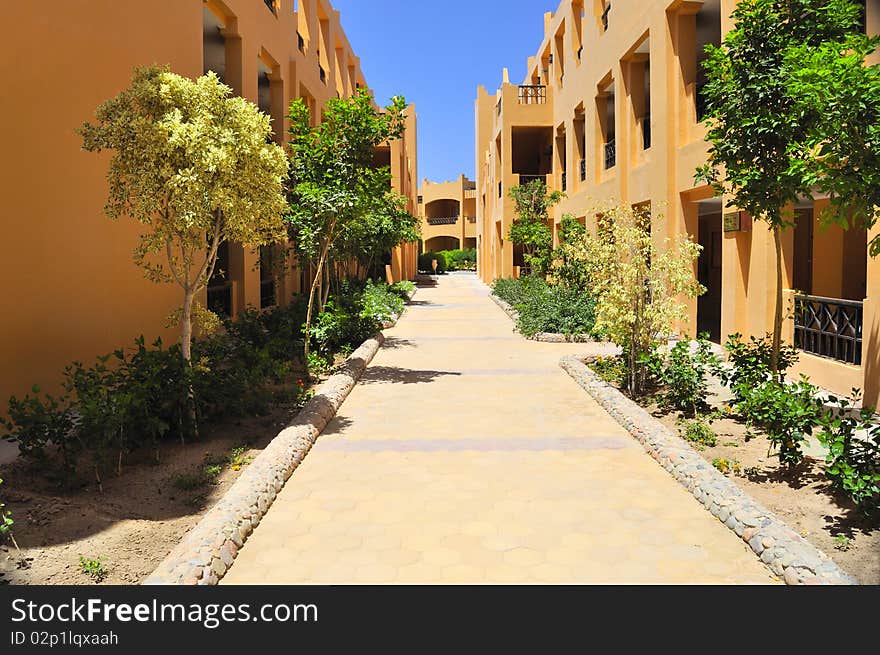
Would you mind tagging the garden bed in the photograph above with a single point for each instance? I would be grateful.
(800, 496)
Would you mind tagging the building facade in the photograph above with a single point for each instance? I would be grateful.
(448, 213)
(610, 110)
(75, 290)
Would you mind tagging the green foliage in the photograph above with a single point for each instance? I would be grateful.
(319, 364)
(94, 568)
(194, 165)
(531, 227)
(684, 374)
(35, 421)
(545, 308)
(751, 363)
(569, 268)
(426, 259)
(638, 287)
(853, 442)
(611, 369)
(787, 412)
(698, 431)
(380, 302)
(404, 289)
(726, 466)
(459, 260)
(6, 521)
(842, 543)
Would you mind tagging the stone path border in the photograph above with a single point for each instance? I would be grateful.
(210, 547)
(780, 548)
(545, 337)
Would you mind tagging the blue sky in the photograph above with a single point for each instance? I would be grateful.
(436, 53)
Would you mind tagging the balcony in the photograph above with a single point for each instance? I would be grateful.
(443, 220)
(300, 43)
(564, 179)
(526, 179)
(322, 74)
(271, 5)
(610, 154)
(583, 170)
(829, 327)
(533, 94)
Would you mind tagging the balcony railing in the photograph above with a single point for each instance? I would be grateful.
(700, 101)
(526, 179)
(610, 154)
(564, 180)
(829, 327)
(443, 220)
(220, 298)
(322, 74)
(583, 170)
(271, 5)
(646, 132)
(533, 94)
(300, 43)
(267, 293)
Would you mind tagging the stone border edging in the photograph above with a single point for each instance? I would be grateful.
(207, 551)
(545, 337)
(781, 549)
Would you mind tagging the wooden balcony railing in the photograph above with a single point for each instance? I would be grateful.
(829, 327)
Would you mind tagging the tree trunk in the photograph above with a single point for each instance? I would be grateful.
(186, 326)
(777, 316)
(312, 290)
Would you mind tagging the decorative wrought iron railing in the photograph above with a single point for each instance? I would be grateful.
(610, 154)
(605, 13)
(526, 179)
(267, 293)
(564, 180)
(443, 220)
(532, 94)
(583, 170)
(220, 298)
(271, 5)
(829, 327)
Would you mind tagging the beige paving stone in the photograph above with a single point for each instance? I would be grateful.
(466, 455)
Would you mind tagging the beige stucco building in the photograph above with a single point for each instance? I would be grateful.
(72, 288)
(448, 213)
(609, 110)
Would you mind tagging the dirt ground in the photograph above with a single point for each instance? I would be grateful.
(801, 497)
(138, 517)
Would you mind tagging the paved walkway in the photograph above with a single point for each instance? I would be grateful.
(466, 455)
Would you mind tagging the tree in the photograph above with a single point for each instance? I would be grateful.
(760, 138)
(637, 285)
(530, 228)
(335, 186)
(840, 92)
(192, 164)
(569, 268)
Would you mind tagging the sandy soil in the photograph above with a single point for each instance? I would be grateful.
(138, 517)
(801, 497)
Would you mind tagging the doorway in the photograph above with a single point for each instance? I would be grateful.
(709, 234)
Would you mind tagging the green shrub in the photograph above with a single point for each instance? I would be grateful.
(698, 432)
(684, 374)
(94, 568)
(853, 442)
(6, 521)
(425, 262)
(751, 362)
(379, 302)
(787, 412)
(404, 289)
(458, 260)
(34, 422)
(557, 310)
(610, 369)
